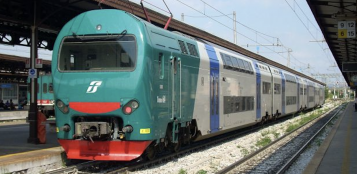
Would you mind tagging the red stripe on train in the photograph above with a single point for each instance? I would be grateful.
(94, 107)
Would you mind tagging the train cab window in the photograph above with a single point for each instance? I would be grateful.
(125, 60)
(98, 53)
(44, 88)
(301, 91)
(50, 88)
(183, 47)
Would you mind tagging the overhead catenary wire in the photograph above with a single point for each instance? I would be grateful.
(307, 28)
(239, 22)
(257, 32)
(254, 31)
(255, 41)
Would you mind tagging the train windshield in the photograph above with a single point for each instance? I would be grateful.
(98, 53)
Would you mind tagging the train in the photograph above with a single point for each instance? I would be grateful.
(125, 88)
(45, 96)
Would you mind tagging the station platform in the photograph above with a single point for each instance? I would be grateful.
(18, 156)
(338, 152)
(6, 115)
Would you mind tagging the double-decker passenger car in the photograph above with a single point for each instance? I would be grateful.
(124, 87)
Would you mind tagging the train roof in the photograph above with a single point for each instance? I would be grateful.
(241, 51)
(191, 32)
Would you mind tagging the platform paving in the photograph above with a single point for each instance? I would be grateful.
(338, 153)
(16, 155)
(13, 115)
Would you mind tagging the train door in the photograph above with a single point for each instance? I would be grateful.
(176, 87)
(298, 93)
(258, 91)
(282, 92)
(214, 89)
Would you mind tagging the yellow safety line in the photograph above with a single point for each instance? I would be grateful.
(26, 152)
(346, 155)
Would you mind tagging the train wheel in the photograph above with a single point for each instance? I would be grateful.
(274, 117)
(150, 152)
(175, 147)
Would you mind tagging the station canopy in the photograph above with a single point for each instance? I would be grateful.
(337, 20)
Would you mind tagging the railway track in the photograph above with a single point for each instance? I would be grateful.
(279, 155)
(121, 167)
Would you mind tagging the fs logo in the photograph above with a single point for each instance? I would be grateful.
(93, 86)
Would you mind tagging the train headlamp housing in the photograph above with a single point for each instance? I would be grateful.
(130, 107)
(62, 107)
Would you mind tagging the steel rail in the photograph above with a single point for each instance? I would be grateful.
(301, 150)
(250, 156)
(197, 146)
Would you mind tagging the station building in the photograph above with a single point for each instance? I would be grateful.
(14, 75)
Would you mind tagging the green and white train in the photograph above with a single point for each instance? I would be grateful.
(124, 87)
(45, 98)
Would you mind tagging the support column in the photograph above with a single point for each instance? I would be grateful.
(32, 117)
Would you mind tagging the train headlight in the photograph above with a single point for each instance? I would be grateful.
(62, 107)
(130, 107)
(60, 104)
(134, 104)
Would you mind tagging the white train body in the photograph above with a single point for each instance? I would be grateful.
(235, 91)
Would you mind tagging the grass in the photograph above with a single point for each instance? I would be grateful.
(244, 151)
(182, 171)
(319, 142)
(264, 133)
(263, 142)
(276, 134)
(291, 127)
(201, 172)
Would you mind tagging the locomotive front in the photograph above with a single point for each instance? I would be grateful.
(101, 94)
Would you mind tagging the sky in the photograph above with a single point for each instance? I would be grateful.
(267, 27)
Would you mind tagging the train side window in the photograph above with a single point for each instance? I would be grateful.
(175, 64)
(192, 49)
(243, 103)
(251, 68)
(44, 88)
(50, 88)
(227, 61)
(234, 62)
(301, 91)
(247, 67)
(241, 64)
(276, 88)
(161, 66)
(227, 101)
(266, 88)
(182, 46)
(237, 104)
